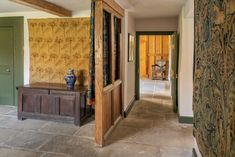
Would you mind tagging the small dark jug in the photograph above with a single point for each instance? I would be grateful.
(70, 79)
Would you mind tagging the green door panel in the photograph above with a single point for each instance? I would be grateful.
(6, 66)
(11, 58)
(174, 70)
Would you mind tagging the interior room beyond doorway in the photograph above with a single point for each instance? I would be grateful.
(155, 63)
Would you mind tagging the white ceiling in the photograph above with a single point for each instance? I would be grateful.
(152, 8)
(138, 8)
(8, 6)
(73, 5)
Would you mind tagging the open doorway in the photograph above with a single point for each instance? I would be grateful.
(156, 66)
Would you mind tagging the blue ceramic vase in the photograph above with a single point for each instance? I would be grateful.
(70, 79)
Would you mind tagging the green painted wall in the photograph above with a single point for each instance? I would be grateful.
(214, 77)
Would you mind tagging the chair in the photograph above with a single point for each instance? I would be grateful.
(159, 70)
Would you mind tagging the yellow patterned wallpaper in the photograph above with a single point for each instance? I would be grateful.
(57, 45)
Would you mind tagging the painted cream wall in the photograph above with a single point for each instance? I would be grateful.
(129, 67)
(188, 13)
(35, 14)
(186, 51)
(157, 24)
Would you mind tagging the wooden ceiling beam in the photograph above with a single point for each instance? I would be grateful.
(46, 6)
(115, 6)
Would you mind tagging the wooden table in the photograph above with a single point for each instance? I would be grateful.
(53, 102)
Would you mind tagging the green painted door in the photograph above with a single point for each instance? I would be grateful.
(6, 66)
(174, 70)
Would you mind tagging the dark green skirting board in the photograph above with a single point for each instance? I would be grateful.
(185, 120)
(131, 104)
(194, 153)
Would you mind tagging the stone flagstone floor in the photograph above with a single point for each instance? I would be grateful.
(155, 88)
(150, 130)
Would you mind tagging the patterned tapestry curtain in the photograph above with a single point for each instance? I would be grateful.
(116, 47)
(106, 49)
(91, 85)
(214, 79)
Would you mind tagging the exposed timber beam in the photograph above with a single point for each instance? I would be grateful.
(45, 6)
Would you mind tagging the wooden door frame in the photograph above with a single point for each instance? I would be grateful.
(17, 23)
(137, 63)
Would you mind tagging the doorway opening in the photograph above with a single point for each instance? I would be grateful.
(156, 66)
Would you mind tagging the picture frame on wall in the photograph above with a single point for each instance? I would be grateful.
(131, 47)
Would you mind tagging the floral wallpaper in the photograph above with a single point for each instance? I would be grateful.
(57, 45)
(214, 77)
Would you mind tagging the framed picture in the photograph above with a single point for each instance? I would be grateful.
(131, 47)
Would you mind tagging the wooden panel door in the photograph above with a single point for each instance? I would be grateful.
(31, 103)
(6, 66)
(143, 47)
(67, 104)
(50, 104)
(151, 54)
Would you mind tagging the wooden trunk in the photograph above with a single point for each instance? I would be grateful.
(52, 102)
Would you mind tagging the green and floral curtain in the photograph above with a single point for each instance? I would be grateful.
(91, 86)
(106, 48)
(116, 47)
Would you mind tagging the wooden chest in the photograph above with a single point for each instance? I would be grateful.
(52, 102)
